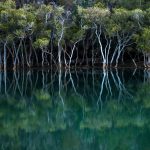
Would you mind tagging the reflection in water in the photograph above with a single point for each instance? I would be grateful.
(75, 110)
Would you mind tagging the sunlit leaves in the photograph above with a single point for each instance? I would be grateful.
(7, 4)
(19, 34)
(93, 14)
(138, 14)
(41, 43)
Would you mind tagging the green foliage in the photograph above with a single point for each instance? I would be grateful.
(41, 43)
(74, 34)
(94, 14)
(42, 96)
(100, 5)
(40, 26)
(143, 39)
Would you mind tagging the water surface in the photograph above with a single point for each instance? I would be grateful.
(76, 110)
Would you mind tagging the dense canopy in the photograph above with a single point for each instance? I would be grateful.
(73, 33)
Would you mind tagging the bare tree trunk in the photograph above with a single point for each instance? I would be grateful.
(5, 56)
(144, 55)
(83, 52)
(60, 46)
(16, 54)
(60, 87)
(42, 58)
(148, 59)
(98, 34)
(72, 52)
(1, 60)
(0, 81)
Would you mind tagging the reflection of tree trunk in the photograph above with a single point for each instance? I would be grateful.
(60, 85)
(102, 88)
(17, 82)
(37, 77)
(5, 81)
(93, 81)
(147, 75)
(26, 84)
(71, 79)
(123, 92)
(43, 80)
(22, 86)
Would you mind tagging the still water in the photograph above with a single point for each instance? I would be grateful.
(75, 110)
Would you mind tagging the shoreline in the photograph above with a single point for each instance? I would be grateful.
(100, 67)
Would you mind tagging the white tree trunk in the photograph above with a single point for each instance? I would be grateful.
(148, 59)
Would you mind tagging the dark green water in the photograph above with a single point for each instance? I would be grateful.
(81, 110)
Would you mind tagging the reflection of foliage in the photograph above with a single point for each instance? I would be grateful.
(43, 122)
(144, 92)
